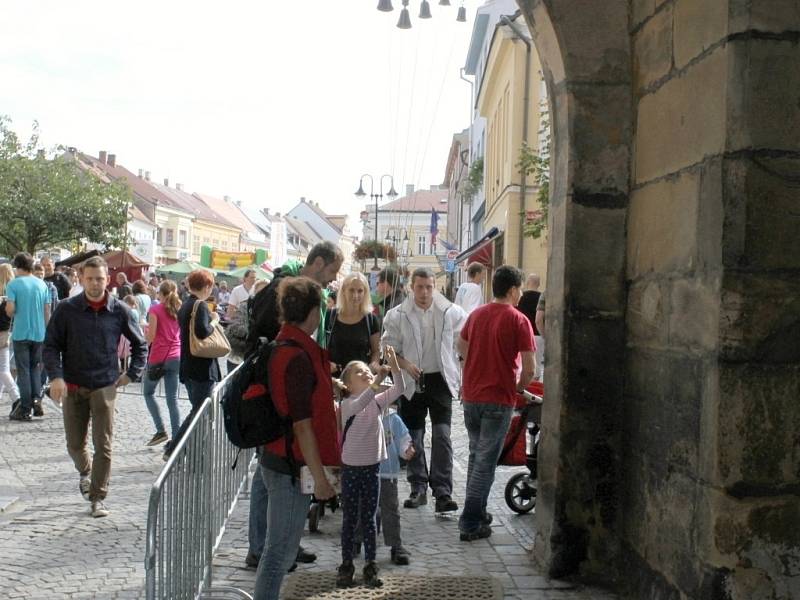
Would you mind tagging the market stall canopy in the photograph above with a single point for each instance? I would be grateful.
(181, 268)
(77, 258)
(122, 261)
(239, 273)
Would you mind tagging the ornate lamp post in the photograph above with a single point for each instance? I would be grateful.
(375, 198)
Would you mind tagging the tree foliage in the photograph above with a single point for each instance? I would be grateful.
(52, 202)
(537, 164)
(474, 180)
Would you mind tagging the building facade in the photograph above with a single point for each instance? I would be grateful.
(508, 98)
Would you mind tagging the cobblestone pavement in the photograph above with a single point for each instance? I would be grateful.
(432, 540)
(50, 547)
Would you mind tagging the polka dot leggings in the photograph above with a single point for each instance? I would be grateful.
(360, 492)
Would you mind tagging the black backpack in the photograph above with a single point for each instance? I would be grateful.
(250, 416)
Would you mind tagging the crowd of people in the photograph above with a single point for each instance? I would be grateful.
(358, 375)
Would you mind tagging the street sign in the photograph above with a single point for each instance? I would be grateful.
(452, 254)
(450, 267)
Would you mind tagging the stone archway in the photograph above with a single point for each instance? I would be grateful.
(588, 73)
(670, 456)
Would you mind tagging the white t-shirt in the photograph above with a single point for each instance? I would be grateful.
(240, 294)
(469, 296)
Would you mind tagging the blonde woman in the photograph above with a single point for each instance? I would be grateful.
(6, 380)
(353, 330)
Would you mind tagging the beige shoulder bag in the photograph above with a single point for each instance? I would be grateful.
(214, 346)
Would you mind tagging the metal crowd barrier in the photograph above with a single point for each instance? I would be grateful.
(190, 504)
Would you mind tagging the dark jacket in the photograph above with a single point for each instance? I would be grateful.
(195, 367)
(81, 344)
(63, 286)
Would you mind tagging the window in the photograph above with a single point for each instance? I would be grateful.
(421, 239)
(225, 244)
(182, 238)
(170, 237)
(159, 236)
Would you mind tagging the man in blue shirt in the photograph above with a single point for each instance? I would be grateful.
(29, 305)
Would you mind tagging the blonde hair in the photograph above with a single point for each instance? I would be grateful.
(348, 370)
(6, 275)
(352, 279)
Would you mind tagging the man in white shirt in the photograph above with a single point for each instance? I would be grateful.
(470, 294)
(423, 330)
(241, 293)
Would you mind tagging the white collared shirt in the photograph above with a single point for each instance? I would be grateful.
(429, 363)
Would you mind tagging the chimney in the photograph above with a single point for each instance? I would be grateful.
(40, 153)
(303, 199)
(226, 198)
(112, 160)
(277, 214)
(179, 187)
(238, 203)
(409, 189)
(266, 212)
(102, 156)
(147, 175)
(166, 181)
(72, 150)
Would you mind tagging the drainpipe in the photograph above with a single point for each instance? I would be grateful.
(523, 186)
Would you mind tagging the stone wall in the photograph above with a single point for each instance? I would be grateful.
(712, 461)
(671, 452)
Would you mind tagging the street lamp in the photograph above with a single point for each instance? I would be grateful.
(375, 198)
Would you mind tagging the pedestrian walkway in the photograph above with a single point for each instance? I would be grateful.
(432, 540)
(51, 548)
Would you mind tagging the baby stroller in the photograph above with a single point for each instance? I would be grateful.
(519, 449)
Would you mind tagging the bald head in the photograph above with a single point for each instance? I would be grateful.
(532, 282)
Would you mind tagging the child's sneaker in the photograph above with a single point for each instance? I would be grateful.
(400, 556)
(371, 575)
(344, 575)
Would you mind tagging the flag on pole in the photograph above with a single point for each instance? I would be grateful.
(434, 229)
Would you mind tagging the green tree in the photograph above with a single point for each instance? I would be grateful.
(537, 164)
(474, 180)
(53, 202)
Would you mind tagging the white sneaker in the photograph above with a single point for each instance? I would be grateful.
(99, 509)
(84, 485)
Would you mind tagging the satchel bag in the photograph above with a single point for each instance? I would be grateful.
(214, 346)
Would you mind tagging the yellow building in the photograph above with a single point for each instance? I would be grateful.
(208, 227)
(501, 100)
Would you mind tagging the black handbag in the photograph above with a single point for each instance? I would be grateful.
(156, 371)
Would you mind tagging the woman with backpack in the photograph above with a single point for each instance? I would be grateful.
(164, 359)
(353, 330)
(301, 388)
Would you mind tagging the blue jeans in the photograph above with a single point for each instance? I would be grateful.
(198, 391)
(171, 368)
(287, 510)
(487, 425)
(257, 529)
(28, 356)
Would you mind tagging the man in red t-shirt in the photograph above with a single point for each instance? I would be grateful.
(495, 340)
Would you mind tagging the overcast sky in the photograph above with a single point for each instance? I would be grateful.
(262, 101)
